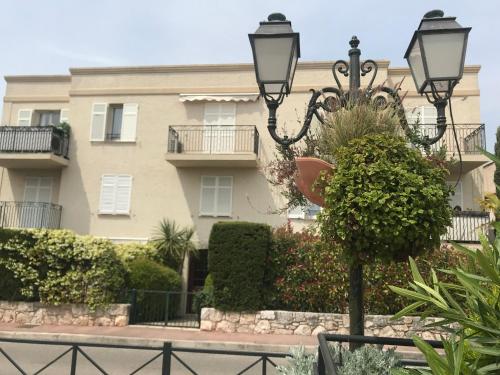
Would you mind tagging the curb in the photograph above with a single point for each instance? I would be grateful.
(118, 340)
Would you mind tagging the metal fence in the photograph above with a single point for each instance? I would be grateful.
(213, 139)
(30, 215)
(470, 137)
(467, 226)
(328, 360)
(164, 308)
(165, 353)
(34, 139)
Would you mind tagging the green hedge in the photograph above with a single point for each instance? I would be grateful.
(237, 253)
(144, 273)
(57, 266)
(307, 275)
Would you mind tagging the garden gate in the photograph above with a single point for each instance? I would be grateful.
(164, 308)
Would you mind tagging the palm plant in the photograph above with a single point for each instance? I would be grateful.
(174, 243)
(469, 308)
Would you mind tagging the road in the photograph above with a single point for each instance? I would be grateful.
(33, 357)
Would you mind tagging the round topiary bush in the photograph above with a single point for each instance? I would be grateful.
(384, 200)
(144, 273)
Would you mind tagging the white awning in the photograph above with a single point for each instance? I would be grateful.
(248, 97)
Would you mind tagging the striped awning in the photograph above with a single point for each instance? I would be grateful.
(243, 97)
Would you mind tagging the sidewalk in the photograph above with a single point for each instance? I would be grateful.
(153, 336)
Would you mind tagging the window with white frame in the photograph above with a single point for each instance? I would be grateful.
(115, 122)
(424, 115)
(307, 212)
(41, 117)
(116, 190)
(216, 195)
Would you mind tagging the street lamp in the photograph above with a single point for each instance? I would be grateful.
(435, 55)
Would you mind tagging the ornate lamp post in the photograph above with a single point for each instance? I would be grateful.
(435, 55)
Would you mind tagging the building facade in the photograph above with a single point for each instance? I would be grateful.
(187, 143)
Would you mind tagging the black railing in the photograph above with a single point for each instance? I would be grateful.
(329, 361)
(34, 139)
(30, 215)
(164, 308)
(213, 139)
(467, 226)
(470, 137)
(166, 353)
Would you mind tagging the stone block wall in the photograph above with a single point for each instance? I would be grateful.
(306, 323)
(70, 314)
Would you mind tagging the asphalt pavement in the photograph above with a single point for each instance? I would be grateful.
(33, 357)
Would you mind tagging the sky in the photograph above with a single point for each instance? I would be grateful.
(49, 36)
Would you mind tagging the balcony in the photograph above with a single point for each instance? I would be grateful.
(466, 226)
(33, 147)
(470, 138)
(213, 146)
(30, 215)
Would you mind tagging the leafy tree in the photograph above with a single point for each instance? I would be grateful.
(173, 243)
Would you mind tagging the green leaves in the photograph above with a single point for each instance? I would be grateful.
(384, 200)
(470, 308)
(57, 266)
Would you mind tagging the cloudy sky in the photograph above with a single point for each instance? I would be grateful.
(49, 36)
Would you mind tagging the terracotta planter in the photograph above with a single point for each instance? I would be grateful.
(308, 171)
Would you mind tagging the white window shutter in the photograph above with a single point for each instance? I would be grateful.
(108, 191)
(98, 122)
(123, 193)
(129, 122)
(64, 116)
(24, 117)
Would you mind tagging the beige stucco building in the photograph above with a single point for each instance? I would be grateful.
(187, 143)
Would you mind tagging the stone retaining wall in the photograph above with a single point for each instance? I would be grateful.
(306, 323)
(71, 314)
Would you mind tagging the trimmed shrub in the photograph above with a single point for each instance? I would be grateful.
(305, 274)
(237, 253)
(130, 251)
(57, 266)
(384, 201)
(148, 274)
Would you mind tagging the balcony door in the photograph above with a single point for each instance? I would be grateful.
(34, 211)
(219, 128)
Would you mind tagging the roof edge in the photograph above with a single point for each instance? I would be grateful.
(199, 68)
(38, 78)
(475, 68)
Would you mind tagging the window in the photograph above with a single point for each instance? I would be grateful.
(115, 194)
(216, 195)
(308, 212)
(42, 117)
(424, 115)
(456, 197)
(115, 122)
(49, 118)
(24, 117)
(219, 131)
(38, 189)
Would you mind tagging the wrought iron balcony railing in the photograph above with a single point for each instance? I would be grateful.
(470, 137)
(467, 225)
(30, 215)
(34, 139)
(213, 139)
